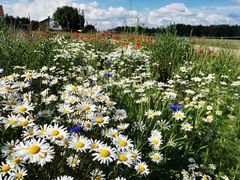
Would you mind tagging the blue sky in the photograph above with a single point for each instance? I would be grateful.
(153, 13)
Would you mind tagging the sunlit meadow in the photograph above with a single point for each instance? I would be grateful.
(110, 106)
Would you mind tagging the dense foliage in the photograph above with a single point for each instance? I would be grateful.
(69, 18)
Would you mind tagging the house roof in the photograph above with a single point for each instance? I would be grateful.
(1, 11)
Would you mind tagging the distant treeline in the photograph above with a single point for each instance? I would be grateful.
(186, 30)
(22, 23)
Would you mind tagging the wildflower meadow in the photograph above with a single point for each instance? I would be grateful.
(117, 106)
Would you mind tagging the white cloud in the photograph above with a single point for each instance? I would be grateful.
(179, 13)
(109, 17)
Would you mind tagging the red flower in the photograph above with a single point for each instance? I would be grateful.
(137, 45)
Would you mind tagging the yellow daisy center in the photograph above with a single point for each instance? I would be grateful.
(79, 144)
(11, 147)
(122, 143)
(74, 88)
(28, 75)
(59, 138)
(74, 161)
(66, 111)
(5, 168)
(11, 103)
(141, 168)
(30, 133)
(155, 141)
(87, 125)
(99, 120)
(34, 149)
(156, 156)
(86, 107)
(23, 123)
(94, 146)
(134, 155)
(12, 121)
(104, 152)
(19, 175)
(122, 157)
(54, 132)
(22, 109)
(115, 134)
(16, 160)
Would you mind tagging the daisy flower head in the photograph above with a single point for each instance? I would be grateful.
(123, 126)
(23, 108)
(113, 133)
(100, 120)
(56, 133)
(87, 125)
(10, 121)
(65, 178)
(135, 154)
(120, 178)
(29, 75)
(34, 151)
(95, 144)
(97, 174)
(120, 115)
(179, 115)
(65, 109)
(142, 169)
(80, 143)
(150, 114)
(124, 158)
(30, 132)
(156, 157)
(25, 121)
(123, 143)
(45, 113)
(18, 173)
(208, 119)
(105, 154)
(71, 88)
(155, 142)
(73, 161)
(7, 148)
(87, 106)
(186, 126)
(5, 168)
(15, 161)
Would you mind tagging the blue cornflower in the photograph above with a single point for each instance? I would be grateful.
(108, 75)
(75, 129)
(175, 107)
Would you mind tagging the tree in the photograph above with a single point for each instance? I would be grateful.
(69, 18)
(89, 29)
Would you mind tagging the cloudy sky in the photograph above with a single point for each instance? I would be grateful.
(106, 14)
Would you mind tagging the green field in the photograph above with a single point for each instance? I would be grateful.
(222, 43)
(118, 107)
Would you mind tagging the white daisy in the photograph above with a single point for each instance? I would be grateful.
(142, 169)
(179, 115)
(18, 173)
(34, 151)
(73, 161)
(23, 108)
(156, 157)
(105, 154)
(80, 143)
(123, 143)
